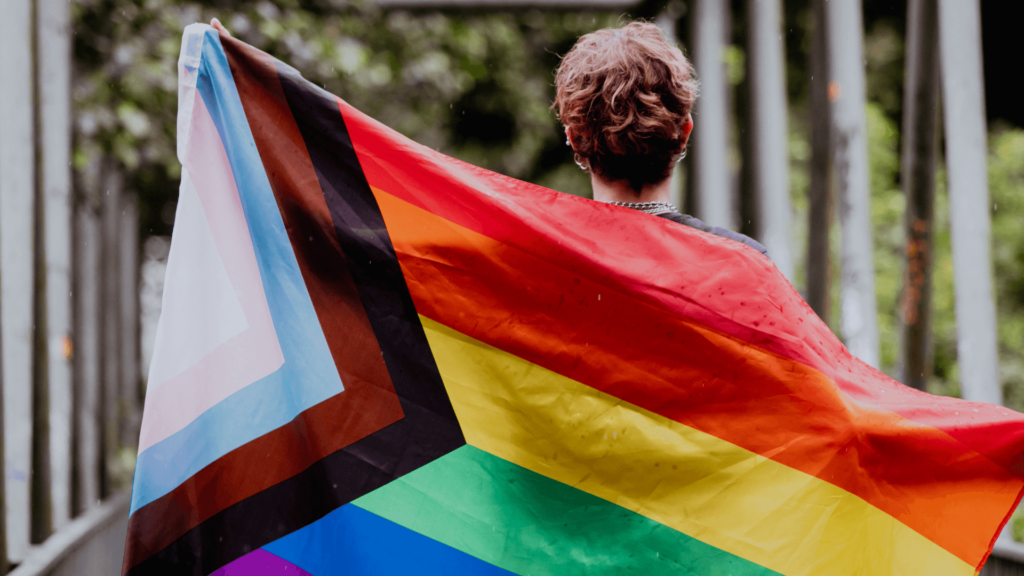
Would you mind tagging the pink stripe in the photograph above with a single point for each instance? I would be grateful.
(248, 356)
(261, 563)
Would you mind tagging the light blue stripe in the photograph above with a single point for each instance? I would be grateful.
(308, 375)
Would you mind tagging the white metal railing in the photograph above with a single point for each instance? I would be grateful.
(91, 544)
(69, 276)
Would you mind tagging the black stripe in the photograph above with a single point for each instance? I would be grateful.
(429, 429)
(266, 516)
(374, 267)
(367, 245)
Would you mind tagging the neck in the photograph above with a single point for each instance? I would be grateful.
(619, 191)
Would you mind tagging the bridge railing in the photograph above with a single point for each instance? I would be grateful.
(69, 277)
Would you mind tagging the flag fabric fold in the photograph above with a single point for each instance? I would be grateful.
(373, 358)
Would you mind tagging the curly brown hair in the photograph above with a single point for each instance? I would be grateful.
(625, 94)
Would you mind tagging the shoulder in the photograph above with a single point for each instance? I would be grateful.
(687, 220)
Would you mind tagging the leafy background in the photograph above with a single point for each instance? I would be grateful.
(478, 86)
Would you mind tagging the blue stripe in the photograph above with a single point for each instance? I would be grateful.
(351, 540)
(308, 375)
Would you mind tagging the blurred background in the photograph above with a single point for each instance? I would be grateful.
(865, 147)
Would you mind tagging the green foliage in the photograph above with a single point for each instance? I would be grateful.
(478, 85)
(883, 56)
(475, 86)
(1006, 184)
(884, 66)
(799, 185)
(887, 213)
(945, 377)
(1017, 527)
(884, 53)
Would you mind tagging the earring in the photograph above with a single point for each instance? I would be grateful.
(681, 156)
(576, 158)
(567, 143)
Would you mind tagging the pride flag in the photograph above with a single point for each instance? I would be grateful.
(375, 359)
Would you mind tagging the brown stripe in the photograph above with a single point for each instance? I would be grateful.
(368, 403)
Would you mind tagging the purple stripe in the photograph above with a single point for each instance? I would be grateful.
(260, 563)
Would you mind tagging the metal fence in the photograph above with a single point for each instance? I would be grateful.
(68, 305)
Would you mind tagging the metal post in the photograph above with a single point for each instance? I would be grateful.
(769, 130)
(39, 487)
(17, 277)
(667, 20)
(4, 565)
(710, 182)
(55, 115)
(963, 103)
(110, 356)
(819, 253)
(920, 117)
(131, 390)
(845, 32)
(87, 455)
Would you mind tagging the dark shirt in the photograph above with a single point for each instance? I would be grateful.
(687, 220)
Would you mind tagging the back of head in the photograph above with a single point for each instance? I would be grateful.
(625, 94)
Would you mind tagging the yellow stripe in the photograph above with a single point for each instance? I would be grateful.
(705, 487)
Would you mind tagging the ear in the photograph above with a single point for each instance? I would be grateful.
(687, 127)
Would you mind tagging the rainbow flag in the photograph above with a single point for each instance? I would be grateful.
(376, 359)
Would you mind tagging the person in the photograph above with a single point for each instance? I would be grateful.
(624, 96)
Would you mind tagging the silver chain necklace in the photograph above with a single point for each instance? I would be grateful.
(647, 207)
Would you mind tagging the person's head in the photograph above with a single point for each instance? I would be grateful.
(624, 96)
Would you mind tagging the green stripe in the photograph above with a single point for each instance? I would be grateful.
(519, 520)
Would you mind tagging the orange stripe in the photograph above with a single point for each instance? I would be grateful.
(765, 403)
